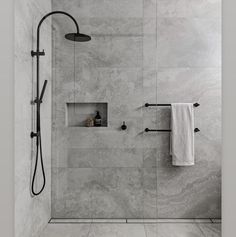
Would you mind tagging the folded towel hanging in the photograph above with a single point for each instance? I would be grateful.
(182, 134)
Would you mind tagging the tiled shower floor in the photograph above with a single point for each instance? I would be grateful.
(135, 228)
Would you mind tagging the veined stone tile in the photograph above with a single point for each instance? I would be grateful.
(150, 157)
(175, 195)
(98, 230)
(149, 202)
(106, 137)
(105, 193)
(201, 47)
(189, 8)
(150, 51)
(149, 8)
(211, 230)
(125, 230)
(192, 81)
(155, 139)
(93, 8)
(184, 220)
(69, 230)
(102, 51)
(173, 230)
(150, 26)
(119, 193)
(98, 26)
(118, 230)
(103, 157)
(208, 114)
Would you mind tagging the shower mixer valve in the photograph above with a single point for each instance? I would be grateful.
(123, 126)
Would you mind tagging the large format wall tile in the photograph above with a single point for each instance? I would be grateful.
(102, 51)
(195, 85)
(97, 85)
(96, 192)
(188, 42)
(103, 157)
(189, 8)
(97, 26)
(104, 9)
(184, 190)
(194, 191)
(155, 51)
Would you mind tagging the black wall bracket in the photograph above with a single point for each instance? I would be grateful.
(33, 134)
(37, 53)
(36, 101)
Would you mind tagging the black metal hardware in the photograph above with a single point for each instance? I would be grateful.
(33, 134)
(165, 130)
(123, 127)
(37, 53)
(75, 37)
(40, 100)
(43, 90)
(37, 101)
(148, 105)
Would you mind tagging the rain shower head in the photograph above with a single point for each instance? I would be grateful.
(78, 37)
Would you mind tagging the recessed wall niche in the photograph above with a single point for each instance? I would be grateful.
(78, 113)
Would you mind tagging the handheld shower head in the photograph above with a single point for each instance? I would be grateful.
(78, 37)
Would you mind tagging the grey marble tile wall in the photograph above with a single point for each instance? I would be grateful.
(141, 51)
(31, 213)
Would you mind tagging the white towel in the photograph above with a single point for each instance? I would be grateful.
(182, 134)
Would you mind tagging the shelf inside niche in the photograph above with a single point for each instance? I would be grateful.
(77, 113)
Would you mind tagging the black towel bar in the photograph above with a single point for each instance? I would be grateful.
(148, 105)
(165, 130)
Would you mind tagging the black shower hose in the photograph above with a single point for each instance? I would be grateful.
(38, 151)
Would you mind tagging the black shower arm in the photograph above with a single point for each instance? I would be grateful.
(49, 14)
(38, 53)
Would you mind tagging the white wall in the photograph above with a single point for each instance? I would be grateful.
(6, 120)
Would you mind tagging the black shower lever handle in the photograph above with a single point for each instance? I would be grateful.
(43, 90)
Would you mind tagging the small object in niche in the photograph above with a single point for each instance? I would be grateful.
(89, 122)
(98, 120)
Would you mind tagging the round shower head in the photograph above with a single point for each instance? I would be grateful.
(78, 37)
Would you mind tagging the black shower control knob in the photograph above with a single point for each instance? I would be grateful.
(123, 127)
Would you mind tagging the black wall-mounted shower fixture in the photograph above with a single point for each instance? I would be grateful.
(123, 126)
(78, 37)
(163, 105)
(166, 130)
